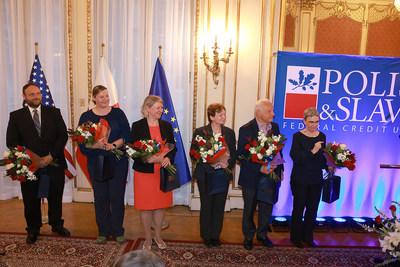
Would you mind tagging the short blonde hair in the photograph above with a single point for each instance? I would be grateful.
(149, 101)
(310, 112)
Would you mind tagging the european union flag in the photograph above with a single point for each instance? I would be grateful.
(159, 86)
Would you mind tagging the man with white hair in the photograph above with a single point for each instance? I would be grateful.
(251, 172)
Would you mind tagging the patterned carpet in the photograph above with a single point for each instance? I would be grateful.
(183, 253)
(58, 251)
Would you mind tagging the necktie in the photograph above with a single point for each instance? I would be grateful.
(36, 121)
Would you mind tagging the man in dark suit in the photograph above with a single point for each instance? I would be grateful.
(251, 172)
(42, 130)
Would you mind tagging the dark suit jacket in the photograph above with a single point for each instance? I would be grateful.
(140, 130)
(21, 131)
(230, 139)
(250, 171)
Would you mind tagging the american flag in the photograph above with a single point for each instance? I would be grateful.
(37, 77)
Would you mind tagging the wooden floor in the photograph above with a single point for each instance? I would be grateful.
(183, 225)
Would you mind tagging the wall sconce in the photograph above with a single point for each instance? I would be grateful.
(214, 66)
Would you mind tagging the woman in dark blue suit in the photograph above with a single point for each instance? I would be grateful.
(212, 206)
(108, 195)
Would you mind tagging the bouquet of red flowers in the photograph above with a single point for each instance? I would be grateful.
(148, 150)
(211, 149)
(265, 150)
(20, 164)
(338, 156)
(89, 133)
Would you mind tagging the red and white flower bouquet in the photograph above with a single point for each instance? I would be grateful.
(265, 150)
(21, 163)
(89, 133)
(210, 149)
(148, 149)
(338, 156)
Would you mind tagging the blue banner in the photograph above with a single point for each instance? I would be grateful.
(159, 86)
(359, 104)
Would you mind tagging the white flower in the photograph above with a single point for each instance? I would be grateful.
(268, 152)
(252, 150)
(259, 156)
(210, 152)
(6, 154)
(216, 146)
(9, 166)
(342, 146)
(18, 171)
(340, 157)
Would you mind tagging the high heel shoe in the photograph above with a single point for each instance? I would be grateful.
(161, 245)
(144, 247)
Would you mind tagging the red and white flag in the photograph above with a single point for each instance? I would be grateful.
(302, 86)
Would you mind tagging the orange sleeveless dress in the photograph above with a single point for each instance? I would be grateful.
(146, 186)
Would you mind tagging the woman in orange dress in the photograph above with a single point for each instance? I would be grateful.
(149, 199)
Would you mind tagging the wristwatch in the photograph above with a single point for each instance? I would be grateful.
(114, 145)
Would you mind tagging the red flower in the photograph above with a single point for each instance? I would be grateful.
(196, 155)
(352, 167)
(81, 139)
(20, 148)
(247, 147)
(275, 143)
(201, 143)
(347, 164)
(221, 139)
(8, 161)
(144, 147)
(254, 157)
(334, 147)
(378, 219)
(138, 144)
(22, 178)
(74, 138)
(84, 128)
(262, 150)
(208, 158)
(192, 152)
(24, 162)
(255, 143)
(14, 177)
(92, 130)
(31, 167)
(393, 208)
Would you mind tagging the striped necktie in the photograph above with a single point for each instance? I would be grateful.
(36, 121)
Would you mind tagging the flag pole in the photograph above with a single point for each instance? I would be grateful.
(159, 53)
(45, 217)
(102, 49)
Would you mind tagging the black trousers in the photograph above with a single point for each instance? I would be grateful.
(211, 212)
(264, 215)
(109, 204)
(32, 204)
(304, 197)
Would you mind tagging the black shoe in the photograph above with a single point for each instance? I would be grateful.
(265, 241)
(208, 243)
(248, 244)
(32, 237)
(216, 242)
(62, 231)
(297, 244)
(311, 244)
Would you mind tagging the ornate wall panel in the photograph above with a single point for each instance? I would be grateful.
(290, 28)
(338, 36)
(338, 27)
(383, 31)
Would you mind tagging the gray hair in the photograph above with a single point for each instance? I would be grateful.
(140, 258)
(260, 104)
(310, 112)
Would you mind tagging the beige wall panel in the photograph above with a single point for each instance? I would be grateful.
(82, 188)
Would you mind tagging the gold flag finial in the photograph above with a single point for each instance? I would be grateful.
(36, 48)
(102, 49)
(159, 52)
